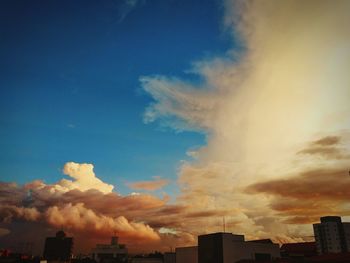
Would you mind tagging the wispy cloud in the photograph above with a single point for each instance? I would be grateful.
(125, 7)
(288, 86)
(153, 185)
(329, 147)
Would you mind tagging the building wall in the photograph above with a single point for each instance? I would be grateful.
(229, 248)
(186, 254)
(331, 235)
(347, 235)
(237, 250)
(210, 248)
(169, 257)
(146, 260)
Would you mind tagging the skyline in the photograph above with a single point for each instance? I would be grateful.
(156, 119)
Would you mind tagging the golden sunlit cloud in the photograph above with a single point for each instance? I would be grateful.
(277, 109)
(156, 184)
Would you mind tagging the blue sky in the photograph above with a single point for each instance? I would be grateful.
(70, 87)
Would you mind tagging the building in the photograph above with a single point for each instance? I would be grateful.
(146, 260)
(346, 226)
(58, 248)
(186, 254)
(110, 253)
(169, 257)
(227, 248)
(230, 248)
(331, 235)
(298, 250)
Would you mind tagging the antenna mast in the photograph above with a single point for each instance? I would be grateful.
(224, 224)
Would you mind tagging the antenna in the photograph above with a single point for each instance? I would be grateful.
(224, 224)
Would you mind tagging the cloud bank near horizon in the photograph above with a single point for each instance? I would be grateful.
(91, 211)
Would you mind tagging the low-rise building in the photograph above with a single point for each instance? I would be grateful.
(230, 248)
(169, 257)
(298, 250)
(227, 248)
(186, 254)
(110, 253)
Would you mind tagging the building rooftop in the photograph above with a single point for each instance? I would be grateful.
(263, 241)
(325, 219)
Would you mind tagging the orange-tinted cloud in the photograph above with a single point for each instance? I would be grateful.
(80, 219)
(156, 184)
(11, 212)
(315, 184)
(327, 141)
(303, 198)
(328, 147)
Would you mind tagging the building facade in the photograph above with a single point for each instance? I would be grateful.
(331, 235)
(186, 254)
(58, 248)
(169, 257)
(110, 253)
(227, 248)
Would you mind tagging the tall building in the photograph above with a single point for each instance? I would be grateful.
(58, 248)
(346, 226)
(331, 235)
(110, 253)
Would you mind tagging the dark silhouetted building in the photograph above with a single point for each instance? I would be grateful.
(332, 235)
(300, 250)
(186, 254)
(58, 248)
(110, 253)
(169, 257)
(230, 248)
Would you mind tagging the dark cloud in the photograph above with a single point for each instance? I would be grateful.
(328, 140)
(315, 184)
(328, 147)
(305, 197)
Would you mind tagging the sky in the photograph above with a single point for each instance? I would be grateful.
(155, 119)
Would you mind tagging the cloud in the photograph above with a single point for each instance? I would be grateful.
(125, 7)
(305, 197)
(87, 213)
(149, 185)
(288, 85)
(86, 207)
(315, 184)
(78, 217)
(85, 178)
(328, 140)
(328, 147)
(10, 212)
